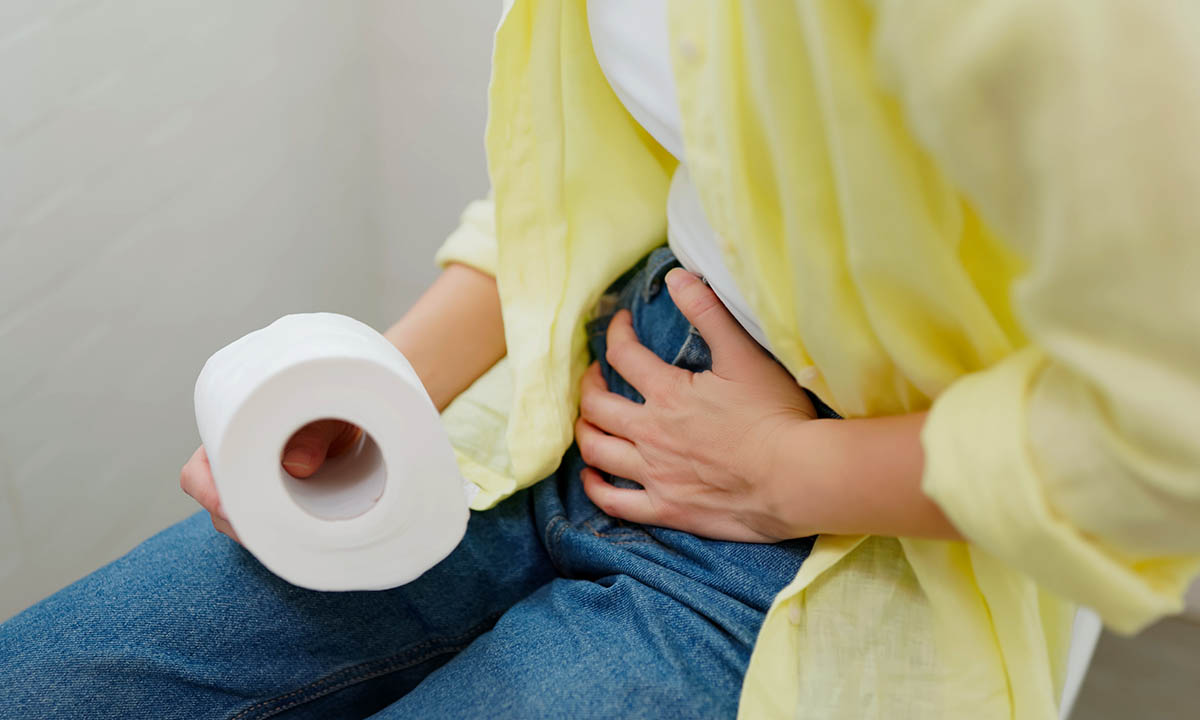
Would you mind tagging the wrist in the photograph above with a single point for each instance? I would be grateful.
(859, 476)
(804, 474)
(453, 333)
(408, 341)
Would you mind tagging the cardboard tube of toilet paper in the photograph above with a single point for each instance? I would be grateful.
(374, 518)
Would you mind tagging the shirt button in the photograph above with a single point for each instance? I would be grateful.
(794, 612)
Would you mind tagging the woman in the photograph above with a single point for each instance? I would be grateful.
(969, 229)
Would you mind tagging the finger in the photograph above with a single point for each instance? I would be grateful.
(345, 440)
(732, 347)
(611, 454)
(199, 459)
(635, 362)
(608, 411)
(307, 448)
(196, 480)
(221, 525)
(625, 503)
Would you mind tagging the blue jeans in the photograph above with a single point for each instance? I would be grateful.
(548, 608)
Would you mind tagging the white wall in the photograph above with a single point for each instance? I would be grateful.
(173, 174)
(432, 66)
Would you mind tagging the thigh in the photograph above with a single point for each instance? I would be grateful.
(190, 625)
(641, 622)
(612, 647)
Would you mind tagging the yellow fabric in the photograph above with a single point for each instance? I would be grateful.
(473, 242)
(984, 208)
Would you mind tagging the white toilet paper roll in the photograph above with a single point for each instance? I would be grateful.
(374, 518)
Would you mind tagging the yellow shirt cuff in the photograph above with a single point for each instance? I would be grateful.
(473, 242)
(980, 470)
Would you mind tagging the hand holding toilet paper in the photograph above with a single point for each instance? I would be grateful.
(372, 518)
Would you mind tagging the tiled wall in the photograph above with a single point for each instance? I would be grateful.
(174, 173)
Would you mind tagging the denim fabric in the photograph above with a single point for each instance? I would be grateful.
(548, 608)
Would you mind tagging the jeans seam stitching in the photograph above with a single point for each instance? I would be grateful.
(555, 528)
(551, 525)
(618, 533)
(588, 524)
(327, 684)
(564, 525)
(562, 530)
(317, 690)
(638, 541)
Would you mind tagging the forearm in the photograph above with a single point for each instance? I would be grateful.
(452, 334)
(859, 476)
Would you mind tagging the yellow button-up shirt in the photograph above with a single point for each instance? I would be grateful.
(990, 209)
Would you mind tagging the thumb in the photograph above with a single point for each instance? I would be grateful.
(732, 347)
(312, 444)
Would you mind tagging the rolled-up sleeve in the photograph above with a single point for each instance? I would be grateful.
(473, 242)
(1071, 126)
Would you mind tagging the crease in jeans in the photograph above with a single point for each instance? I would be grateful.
(347, 677)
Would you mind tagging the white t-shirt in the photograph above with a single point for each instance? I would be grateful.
(631, 42)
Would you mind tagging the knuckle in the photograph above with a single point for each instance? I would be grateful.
(606, 505)
(668, 392)
(602, 498)
(613, 333)
(660, 394)
(615, 353)
(665, 514)
(636, 428)
(587, 405)
(586, 447)
(679, 385)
